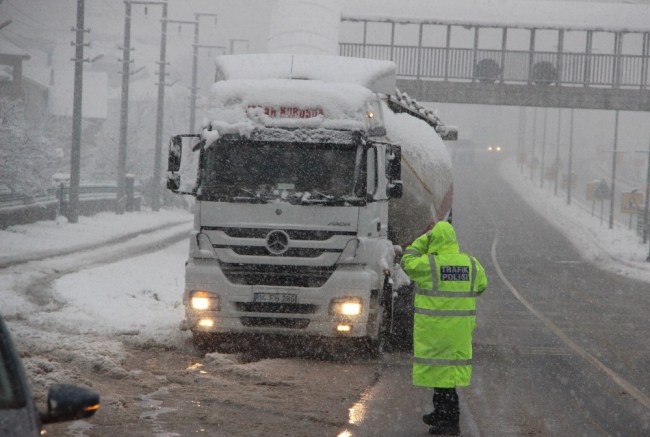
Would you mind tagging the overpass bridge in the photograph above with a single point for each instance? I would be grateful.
(575, 73)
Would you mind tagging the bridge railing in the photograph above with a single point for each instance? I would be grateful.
(511, 66)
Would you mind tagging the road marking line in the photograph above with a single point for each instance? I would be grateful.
(625, 385)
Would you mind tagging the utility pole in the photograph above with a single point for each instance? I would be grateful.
(646, 206)
(157, 166)
(532, 153)
(613, 194)
(541, 175)
(195, 66)
(523, 137)
(75, 154)
(568, 190)
(557, 149)
(120, 200)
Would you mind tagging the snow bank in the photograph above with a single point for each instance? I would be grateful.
(618, 250)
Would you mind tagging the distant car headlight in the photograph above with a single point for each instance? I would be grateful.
(203, 300)
(489, 148)
(346, 306)
(498, 148)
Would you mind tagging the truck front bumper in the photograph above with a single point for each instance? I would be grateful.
(311, 314)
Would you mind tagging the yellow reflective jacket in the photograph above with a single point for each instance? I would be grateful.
(447, 282)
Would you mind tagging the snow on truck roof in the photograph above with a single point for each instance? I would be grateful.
(292, 91)
(240, 106)
(377, 76)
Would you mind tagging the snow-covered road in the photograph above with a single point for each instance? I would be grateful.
(107, 313)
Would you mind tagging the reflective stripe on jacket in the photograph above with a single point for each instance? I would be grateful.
(446, 285)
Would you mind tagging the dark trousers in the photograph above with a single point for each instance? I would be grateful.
(445, 406)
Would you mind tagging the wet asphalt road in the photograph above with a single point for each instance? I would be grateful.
(562, 348)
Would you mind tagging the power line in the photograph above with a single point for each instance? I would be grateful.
(39, 23)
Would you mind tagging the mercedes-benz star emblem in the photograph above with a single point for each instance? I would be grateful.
(277, 242)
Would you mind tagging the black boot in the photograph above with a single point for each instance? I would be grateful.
(429, 419)
(445, 419)
(445, 428)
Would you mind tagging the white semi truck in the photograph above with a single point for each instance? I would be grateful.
(308, 173)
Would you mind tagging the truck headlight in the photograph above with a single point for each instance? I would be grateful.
(203, 300)
(346, 306)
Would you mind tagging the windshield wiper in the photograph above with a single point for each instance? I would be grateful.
(253, 197)
(318, 198)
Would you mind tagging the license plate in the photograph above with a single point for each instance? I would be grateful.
(275, 298)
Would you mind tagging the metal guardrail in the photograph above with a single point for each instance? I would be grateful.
(510, 66)
(17, 208)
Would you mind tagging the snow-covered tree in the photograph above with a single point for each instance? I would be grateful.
(26, 154)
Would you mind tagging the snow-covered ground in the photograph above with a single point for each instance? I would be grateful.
(38, 239)
(79, 303)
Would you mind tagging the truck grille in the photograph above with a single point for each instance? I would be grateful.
(294, 234)
(270, 322)
(278, 308)
(292, 252)
(287, 276)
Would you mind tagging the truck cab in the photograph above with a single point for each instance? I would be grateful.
(293, 176)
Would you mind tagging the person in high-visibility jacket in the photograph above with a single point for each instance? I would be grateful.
(447, 283)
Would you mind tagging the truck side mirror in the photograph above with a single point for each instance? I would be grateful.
(175, 152)
(394, 162)
(395, 189)
(68, 402)
(173, 182)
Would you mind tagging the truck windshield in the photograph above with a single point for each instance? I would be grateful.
(244, 170)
